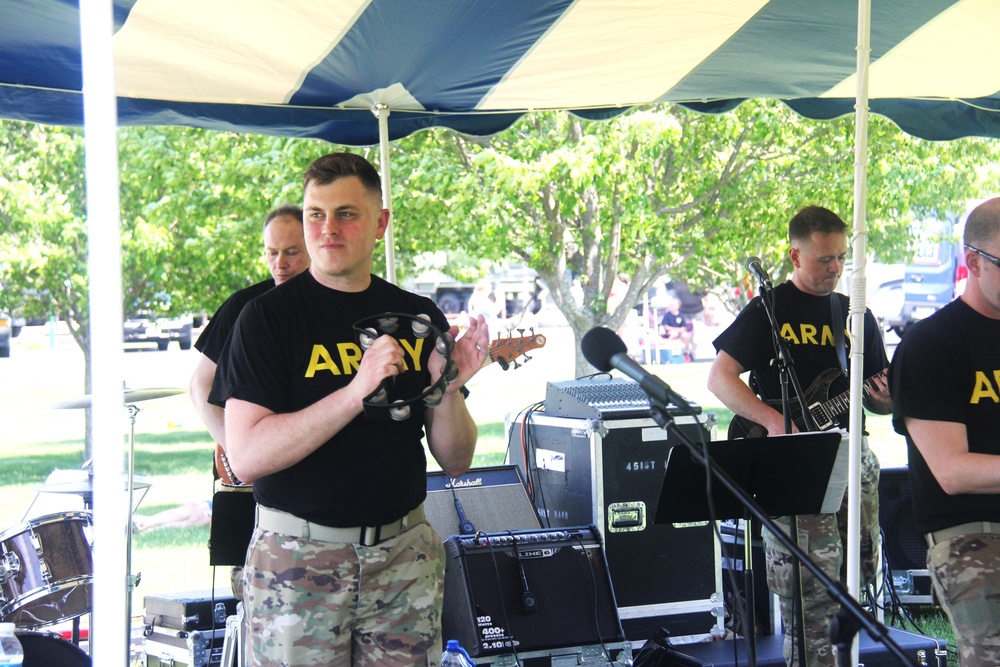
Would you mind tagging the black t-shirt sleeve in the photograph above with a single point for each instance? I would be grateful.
(213, 338)
(748, 338)
(252, 366)
(923, 379)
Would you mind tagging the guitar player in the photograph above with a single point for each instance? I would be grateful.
(286, 256)
(805, 314)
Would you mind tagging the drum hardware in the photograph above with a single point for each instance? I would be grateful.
(130, 397)
(10, 565)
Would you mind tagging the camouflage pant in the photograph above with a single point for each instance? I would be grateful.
(323, 603)
(965, 572)
(823, 537)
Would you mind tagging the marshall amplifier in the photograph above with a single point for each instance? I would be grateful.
(529, 590)
(489, 499)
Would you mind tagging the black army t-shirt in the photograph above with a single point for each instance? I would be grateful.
(295, 345)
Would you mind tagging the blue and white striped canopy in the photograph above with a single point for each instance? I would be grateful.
(317, 67)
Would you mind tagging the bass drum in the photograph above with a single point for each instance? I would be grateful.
(42, 649)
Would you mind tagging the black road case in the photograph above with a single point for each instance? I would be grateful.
(609, 473)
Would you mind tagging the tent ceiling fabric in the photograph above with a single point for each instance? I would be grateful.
(315, 68)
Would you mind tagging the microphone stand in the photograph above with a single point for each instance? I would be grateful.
(852, 615)
(786, 374)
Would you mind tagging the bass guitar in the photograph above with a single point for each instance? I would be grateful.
(822, 411)
(503, 351)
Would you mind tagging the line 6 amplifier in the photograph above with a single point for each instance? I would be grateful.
(528, 590)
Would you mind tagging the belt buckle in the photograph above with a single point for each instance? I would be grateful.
(371, 535)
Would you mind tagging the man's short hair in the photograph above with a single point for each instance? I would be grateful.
(983, 223)
(290, 210)
(333, 166)
(811, 219)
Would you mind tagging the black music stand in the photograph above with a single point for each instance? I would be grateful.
(800, 473)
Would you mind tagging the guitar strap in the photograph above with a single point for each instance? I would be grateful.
(838, 321)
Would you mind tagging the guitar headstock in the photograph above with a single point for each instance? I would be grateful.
(505, 351)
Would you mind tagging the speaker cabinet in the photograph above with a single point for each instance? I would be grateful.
(491, 499)
(905, 547)
(610, 474)
(904, 544)
(528, 591)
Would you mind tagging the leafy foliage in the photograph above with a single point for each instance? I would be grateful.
(658, 191)
(663, 191)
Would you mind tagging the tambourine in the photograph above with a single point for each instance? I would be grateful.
(381, 401)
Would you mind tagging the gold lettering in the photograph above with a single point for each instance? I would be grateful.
(414, 351)
(808, 332)
(789, 334)
(320, 360)
(984, 389)
(350, 357)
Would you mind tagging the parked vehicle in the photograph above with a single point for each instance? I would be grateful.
(935, 276)
(145, 328)
(452, 296)
(6, 333)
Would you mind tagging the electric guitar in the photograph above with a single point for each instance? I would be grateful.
(503, 351)
(822, 412)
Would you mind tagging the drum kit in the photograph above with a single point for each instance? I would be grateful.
(46, 561)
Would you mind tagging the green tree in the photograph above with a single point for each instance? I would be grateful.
(666, 191)
(658, 191)
(192, 207)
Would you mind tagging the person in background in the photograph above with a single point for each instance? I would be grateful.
(483, 302)
(675, 326)
(343, 568)
(805, 312)
(191, 513)
(286, 257)
(945, 380)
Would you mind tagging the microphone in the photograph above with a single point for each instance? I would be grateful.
(529, 603)
(605, 350)
(465, 527)
(753, 266)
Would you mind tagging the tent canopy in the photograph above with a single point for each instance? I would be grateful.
(316, 68)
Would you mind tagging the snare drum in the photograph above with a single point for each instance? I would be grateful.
(46, 568)
(45, 650)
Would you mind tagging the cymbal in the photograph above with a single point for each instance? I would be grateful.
(85, 486)
(130, 396)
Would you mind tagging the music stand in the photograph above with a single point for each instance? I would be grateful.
(799, 473)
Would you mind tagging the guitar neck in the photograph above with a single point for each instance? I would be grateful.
(505, 351)
(841, 403)
(823, 413)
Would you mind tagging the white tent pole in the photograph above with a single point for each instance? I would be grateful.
(381, 111)
(110, 623)
(857, 307)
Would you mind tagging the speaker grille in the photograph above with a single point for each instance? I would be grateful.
(492, 498)
(488, 576)
(904, 544)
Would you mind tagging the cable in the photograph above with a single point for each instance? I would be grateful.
(503, 607)
(589, 555)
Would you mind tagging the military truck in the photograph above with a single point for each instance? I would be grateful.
(452, 296)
